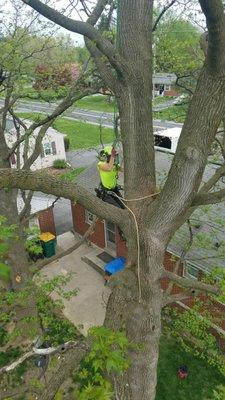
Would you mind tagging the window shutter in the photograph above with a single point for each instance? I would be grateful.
(13, 159)
(53, 148)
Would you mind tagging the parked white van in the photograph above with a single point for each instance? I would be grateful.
(167, 139)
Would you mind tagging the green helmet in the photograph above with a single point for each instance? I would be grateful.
(104, 153)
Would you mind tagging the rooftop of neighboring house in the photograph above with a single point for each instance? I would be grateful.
(10, 129)
(39, 202)
(163, 78)
(208, 223)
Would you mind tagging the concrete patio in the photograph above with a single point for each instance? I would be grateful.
(88, 308)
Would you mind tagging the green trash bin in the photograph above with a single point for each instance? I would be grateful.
(48, 242)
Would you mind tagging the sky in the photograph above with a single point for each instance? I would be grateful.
(78, 14)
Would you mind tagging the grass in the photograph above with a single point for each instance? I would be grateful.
(162, 99)
(81, 134)
(200, 383)
(71, 175)
(99, 103)
(175, 113)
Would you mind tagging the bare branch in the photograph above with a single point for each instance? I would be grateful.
(84, 28)
(27, 206)
(191, 284)
(44, 352)
(64, 105)
(164, 10)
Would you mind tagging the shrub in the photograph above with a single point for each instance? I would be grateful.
(66, 143)
(60, 164)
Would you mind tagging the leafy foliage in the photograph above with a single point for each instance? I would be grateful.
(191, 329)
(108, 354)
(60, 164)
(33, 244)
(6, 232)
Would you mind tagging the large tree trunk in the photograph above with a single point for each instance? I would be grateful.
(139, 314)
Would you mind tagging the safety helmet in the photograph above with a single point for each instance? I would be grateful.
(104, 153)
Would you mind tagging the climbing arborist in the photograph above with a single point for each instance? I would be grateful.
(108, 167)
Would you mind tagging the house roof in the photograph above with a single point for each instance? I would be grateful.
(208, 248)
(160, 78)
(39, 202)
(10, 128)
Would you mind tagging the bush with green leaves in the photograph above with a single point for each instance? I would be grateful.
(108, 354)
(192, 330)
(33, 243)
(219, 393)
(56, 329)
(60, 164)
(7, 232)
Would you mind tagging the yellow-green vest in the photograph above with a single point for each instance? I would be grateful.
(108, 178)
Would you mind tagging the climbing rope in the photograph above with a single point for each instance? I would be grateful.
(122, 199)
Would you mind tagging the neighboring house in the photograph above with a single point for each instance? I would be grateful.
(53, 147)
(199, 261)
(164, 84)
(41, 214)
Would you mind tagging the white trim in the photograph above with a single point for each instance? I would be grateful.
(113, 247)
(88, 217)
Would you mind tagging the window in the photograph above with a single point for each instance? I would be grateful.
(167, 87)
(48, 149)
(89, 217)
(191, 271)
(111, 235)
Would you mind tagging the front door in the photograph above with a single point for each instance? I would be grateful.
(110, 230)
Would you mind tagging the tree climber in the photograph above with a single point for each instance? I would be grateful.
(108, 167)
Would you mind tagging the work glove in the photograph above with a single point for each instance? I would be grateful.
(113, 153)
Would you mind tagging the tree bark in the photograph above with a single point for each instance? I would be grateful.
(141, 319)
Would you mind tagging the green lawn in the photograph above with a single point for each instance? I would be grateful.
(175, 113)
(200, 383)
(99, 103)
(71, 175)
(81, 134)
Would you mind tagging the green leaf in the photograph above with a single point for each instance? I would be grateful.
(4, 272)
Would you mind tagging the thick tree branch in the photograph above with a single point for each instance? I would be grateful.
(191, 284)
(215, 20)
(84, 28)
(97, 12)
(103, 67)
(209, 198)
(37, 181)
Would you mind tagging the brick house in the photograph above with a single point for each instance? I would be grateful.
(198, 261)
(164, 84)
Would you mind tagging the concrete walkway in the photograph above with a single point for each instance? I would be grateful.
(88, 308)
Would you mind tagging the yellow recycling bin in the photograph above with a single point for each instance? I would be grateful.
(48, 242)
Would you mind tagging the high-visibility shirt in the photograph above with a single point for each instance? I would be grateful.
(108, 178)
